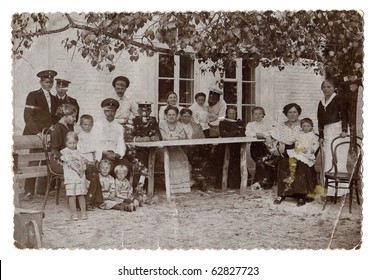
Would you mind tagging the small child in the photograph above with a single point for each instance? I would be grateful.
(74, 175)
(87, 141)
(261, 152)
(306, 145)
(200, 112)
(124, 191)
(107, 183)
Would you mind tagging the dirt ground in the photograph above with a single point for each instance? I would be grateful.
(214, 219)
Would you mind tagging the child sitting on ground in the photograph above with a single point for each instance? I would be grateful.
(123, 189)
(306, 145)
(108, 186)
(74, 175)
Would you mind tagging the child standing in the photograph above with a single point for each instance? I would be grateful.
(306, 145)
(87, 141)
(261, 152)
(108, 186)
(74, 175)
(200, 112)
(87, 146)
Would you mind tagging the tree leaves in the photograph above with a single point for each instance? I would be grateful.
(331, 40)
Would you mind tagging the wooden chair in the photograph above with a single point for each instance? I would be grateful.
(54, 170)
(352, 177)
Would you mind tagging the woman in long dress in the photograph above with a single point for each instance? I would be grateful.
(172, 129)
(305, 175)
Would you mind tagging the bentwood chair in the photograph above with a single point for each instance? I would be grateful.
(54, 168)
(350, 180)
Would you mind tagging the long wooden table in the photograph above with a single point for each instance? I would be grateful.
(189, 142)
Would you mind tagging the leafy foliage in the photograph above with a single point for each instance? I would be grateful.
(330, 42)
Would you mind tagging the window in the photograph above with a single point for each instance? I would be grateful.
(239, 87)
(176, 73)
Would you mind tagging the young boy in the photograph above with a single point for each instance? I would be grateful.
(87, 141)
(109, 190)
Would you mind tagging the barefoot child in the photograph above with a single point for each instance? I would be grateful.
(74, 175)
(124, 191)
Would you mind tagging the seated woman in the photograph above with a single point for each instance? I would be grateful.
(66, 114)
(172, 100)
(231, 126)
(305, 178)
(261, 152)
(171, 129)
(197, 153)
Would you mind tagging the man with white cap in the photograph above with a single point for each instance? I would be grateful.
(216, 111)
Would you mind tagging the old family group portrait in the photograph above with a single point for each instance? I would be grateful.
(188, 130)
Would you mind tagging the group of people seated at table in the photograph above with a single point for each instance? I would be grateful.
(98, 160)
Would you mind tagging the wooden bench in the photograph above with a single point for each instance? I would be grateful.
(21, 159)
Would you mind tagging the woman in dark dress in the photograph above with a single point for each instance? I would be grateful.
(233, 127)
(305, 176)
(66, 114)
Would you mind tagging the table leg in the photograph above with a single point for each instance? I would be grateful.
(166, 174)
(151, 170)
(224, 182)
(244, 171)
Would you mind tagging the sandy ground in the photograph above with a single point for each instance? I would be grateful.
(214, 219)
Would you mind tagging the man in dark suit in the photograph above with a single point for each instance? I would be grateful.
(63, 98)
(37, 115)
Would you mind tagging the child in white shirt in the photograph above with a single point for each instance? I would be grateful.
(200, 112)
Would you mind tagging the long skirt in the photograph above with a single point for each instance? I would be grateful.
(330, 132)
(304, 183)
(179, 168)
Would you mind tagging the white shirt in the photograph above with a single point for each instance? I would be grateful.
(109, 137)
(263, 127)
(200, 115)
(48, 97)
(128, 109)
(217, 110)
(87, 145)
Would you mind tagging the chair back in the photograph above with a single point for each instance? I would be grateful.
(351, 145)
(54, 167)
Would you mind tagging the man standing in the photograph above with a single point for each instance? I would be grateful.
(63, 98)
(37, 115)
(216, 111)
(127, 107)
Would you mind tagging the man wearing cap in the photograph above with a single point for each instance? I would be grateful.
(144, 129)
(216, 111)
(109, 133)
(39, 103)
(63, 98)
(37, 115)
(110, 145)
(128, 108)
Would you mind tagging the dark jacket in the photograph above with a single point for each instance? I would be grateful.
(36, 114)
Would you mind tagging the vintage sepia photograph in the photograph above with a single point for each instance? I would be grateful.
(188, 130)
